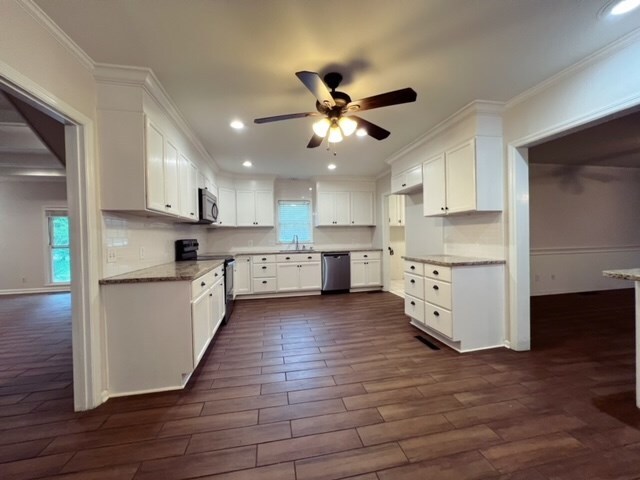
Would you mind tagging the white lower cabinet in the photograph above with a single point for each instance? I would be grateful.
(366, 269)
(298, 271)
(200, 325)
(242, 284)
(462, 306)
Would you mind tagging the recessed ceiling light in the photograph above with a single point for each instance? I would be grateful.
(237, 125)
(361, 132)
(331, 166)
(247, 163)
(620, 7)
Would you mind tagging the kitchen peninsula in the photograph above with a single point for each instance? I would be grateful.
(632, 274)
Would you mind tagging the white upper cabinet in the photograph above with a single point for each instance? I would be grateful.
(171, 196)
(155, 168)
(345, 204)
(226, 207)
(396, 210)
(408, 181)
(465, 178)
(254, 208)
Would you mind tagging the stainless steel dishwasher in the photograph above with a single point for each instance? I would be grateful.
(336, 272)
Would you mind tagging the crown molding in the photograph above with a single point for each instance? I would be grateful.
(57, 33)
(486, 107)
(595, 57)
(384, 173)
(146, 79)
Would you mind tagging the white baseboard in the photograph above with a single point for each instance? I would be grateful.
(27, 291)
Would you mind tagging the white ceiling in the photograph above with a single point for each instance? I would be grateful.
(22, 153)
(223, 59)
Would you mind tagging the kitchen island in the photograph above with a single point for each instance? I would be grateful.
(632, 274)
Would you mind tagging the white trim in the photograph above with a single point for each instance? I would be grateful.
(58, 34)
(474, 108)
(538, 252)
(29, 291)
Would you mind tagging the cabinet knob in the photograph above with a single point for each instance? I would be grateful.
(264, 281)
(413, 267)
(437, 314)
(436, 272)
(404, 184)
(352, 221)
(442, 208)
(413, 281)
(264, 268)
(288, 258)
(435, 287)
(446, 208)
(215, 274)
(366, 256)
(202, 284)
(309, 257)
(211, 294)
(168, 205)
(191, 213)
(264, 259)
(413, 303)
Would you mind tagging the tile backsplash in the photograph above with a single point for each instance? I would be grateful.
(475, 235)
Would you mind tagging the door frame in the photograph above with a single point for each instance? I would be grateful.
(82, 201)
(386, 239)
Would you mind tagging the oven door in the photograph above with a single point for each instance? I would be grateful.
(208, 206)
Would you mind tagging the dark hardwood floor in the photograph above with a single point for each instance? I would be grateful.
(335, 387)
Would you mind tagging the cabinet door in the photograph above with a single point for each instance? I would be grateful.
(400, 207)
(310, 276)
(227, 207)
(217, 306)
(433, 176)
(326, 209)
(287, 277)
(245, 208)
(342, 206)
(358, 273)
(171, 197)
(242, 276)
(413, 177)
(155, 168)
(398, 182)
(396, 210)
(264, 208)
(200, 325)
(373, 273)
(461, 178)
(362, 208)
(193, 191)
(185, 190)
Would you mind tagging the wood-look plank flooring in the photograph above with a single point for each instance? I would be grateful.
(331, 387)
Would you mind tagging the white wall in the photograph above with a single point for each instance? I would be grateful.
(23, 236)
(582, 222)
(248, 238)
(398, 244)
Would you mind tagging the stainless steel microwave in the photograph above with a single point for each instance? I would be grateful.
(207, 206)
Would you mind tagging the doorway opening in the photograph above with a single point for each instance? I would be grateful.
(396, 243)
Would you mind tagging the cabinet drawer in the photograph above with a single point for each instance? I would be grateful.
(256, 259)
(414, 308)
(439, 319)
(438, 293)
(264, 285)
(414, 285)
(205, 282)
(437, 272)
(373, 255)
(297, 257)
(416, 268)
(267, 270)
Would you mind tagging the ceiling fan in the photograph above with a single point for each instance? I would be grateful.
(337, 109)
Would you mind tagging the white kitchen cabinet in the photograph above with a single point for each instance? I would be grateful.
(263, 273)
(408, 181)
(462, 306)
(218, 306)
(396, 210)
(296, 272)
(201, 313)
(334, 208)
(226, 207)
(171, 195)
(254, 208)
(187, 175)
(342, 203)
(362, 208)
(366, 269)
(242, 280)
(465, 178)
(155, 168)
(310, 276)
(288, 277)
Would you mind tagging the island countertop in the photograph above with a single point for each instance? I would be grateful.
(628, 274)
(167, 272)
(453, 260)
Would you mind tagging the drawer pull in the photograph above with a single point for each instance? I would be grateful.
(216, 274)
(264, 259)
(413, 303)
(404, 184)
(288, 258)
(436, 272)
(437, 314)
(211, 294)
(435, 287)
(309, 257)
(413, 281)
(366, 256)
(264, 268)
(413, 267)
(264, 281)
(202, 284)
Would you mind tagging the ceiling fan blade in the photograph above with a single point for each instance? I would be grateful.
(288, 116)
(315, 141)
(405, 95)
(315, 85)
(372, 129)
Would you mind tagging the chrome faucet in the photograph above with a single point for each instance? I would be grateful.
(295, 239)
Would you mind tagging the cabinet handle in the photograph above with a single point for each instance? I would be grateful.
(168, 205)
(413, 303)
(442, 208)
(288, 258)
(215, 275)
(248, 259)
(435, 287)
(202, 284)
(264, 281)
(436, 272)
(413, 281)
(264, 259)
(404, 184)
(309, 257)
(211, 294)
(446, 208)
(366, 256)
(352, 221)
(413, 267)
(437, 314)
(264, 268)
(191, 213)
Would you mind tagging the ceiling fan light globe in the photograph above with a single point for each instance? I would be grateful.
(321, 127)
(361, 132)
(335, 135)
(347, 125)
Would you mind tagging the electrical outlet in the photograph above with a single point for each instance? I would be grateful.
(141, 253)
(111, 255)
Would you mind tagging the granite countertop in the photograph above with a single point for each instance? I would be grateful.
(628, 274)
(453, 260)
(284, 251)
(167, 272)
